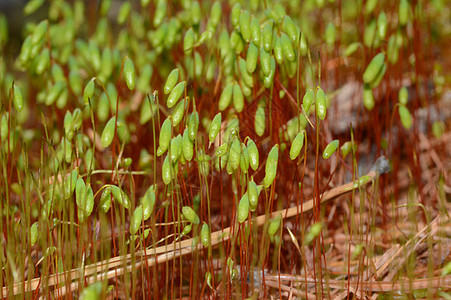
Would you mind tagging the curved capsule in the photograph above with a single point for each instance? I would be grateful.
(271, 166)
(165, 136)
(374, 67)
(80, 192)
(330, 149)
(195, 12)
(221, 150)
(172, 79)
(215, 13)
(320, 104)
(187, 146)
(160, 12)
(190, 215)
(243, 208)
(214, 128)
(297, 145)
(251, 58)
(379, 77)
(245, 25)
(345, 149)
(226, 97)
(330, 34)
(108, 133)
(369, 35)
(193, 125)
(303, 48)
(136, 220)
(120, 196)
(175, 94)
(18, 99)
(368, 97)
(247, 78)
(166, 172)
(253, 154)
(405, 116)
(88, 92)
(205, 236)
(129, 73)
(252, 192)
(268, 80)
(238, 98)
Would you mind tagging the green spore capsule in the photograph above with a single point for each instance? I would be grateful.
(260, 122)
(271, 166)
(129, 73)
(34, 233)
(245, 25)
(253, 154)
(403, 95)
(368, 97)
(243, 208)
(221, 150)
(238, 98)
(251, 58)
(307, 100)
(166, 172)
(205, 236)
(88, 92)
(303, 47)
(369, 34)
(39, 32)
(265, 62)
(175, 94)
(190, 215)
(403, 12)
(252, 192)
(124, 12)
(108, 133)
(255, 31)
(226, 97)
(244, 159)
(269, 80)
(267, 37)
(187, 146)
(178, 112)
(120, 196)
(375, 83)
(345, 149)
(234, 156)
(172, 79)
(215, 14)
(290, 28)
(188, 42)
(18, 99)
(165, 136)
(351, 48)
(215, 126)
(374, 67)
(320, 104)
(176, 148)
(246, 77)
(105, 199)
(405, 116)
(382, 25)
(136, 220)
(287, 47)
(160, 12)
(235, 15)
(274, 225)
(148, 202)
(296, 145)
(278, 51)
(330, 149)
(193, 125)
